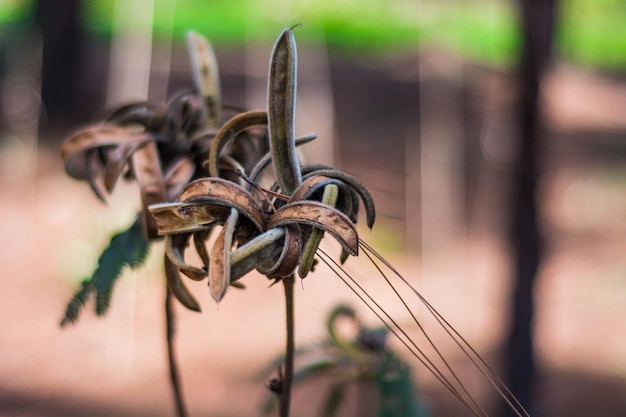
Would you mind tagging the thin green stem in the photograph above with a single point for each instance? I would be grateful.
(285, 394)
(181, 410)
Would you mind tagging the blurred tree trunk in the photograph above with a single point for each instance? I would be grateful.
(538, 21)
(59, 23)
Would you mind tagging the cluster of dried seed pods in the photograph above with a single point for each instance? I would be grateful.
(274, 231)
(198, 169)
(163, 148)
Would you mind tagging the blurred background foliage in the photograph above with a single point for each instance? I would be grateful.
(590, 32)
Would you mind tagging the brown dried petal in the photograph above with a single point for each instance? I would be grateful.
(147, 172)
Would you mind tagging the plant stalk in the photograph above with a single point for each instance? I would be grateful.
(181, 410)
(287, 377)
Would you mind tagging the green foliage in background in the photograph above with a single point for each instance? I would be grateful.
(362, 358)
(14, 10)
(484, 31)
(593, 33)
(590, 33)
(370, 24)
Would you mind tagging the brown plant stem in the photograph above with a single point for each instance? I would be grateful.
(181, 410)
(285, 394)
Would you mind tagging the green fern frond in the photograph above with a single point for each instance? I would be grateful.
(77, 302)
(129, 247)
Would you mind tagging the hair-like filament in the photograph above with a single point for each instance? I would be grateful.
(444, 373)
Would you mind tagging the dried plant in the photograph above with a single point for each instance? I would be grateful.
(201, 173)
(161, 148)
(275, 237)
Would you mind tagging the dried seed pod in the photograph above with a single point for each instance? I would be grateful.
(315, 214)
(206, 77)
(177, 287)
(149, 176)
(355, 184)
(220, 263)
(220, 192)
(177, 175)
(266, 160)
(199, 242)
(175, 248)
(255, 252)
(331, 193)
(143, 113)
(118, 160)
(229, 131)
(312, 188)
(287, 260)
(188, 217)
(86, 153)
(282, 110)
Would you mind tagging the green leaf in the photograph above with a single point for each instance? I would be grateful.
(129, 247)
(77, 302)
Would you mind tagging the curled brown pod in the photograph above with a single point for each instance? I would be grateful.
(282, 110)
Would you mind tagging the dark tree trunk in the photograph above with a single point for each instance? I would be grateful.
(538, 20)
(59, 23)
